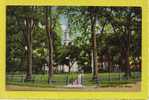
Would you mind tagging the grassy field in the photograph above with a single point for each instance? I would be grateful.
(59, 80)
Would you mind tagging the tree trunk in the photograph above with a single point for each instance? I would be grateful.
(128, 31)
(50, 43)
(29, 58)
(29, 28)
(94, 49)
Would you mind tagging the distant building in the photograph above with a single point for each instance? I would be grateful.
(65, 68)
(61, 68)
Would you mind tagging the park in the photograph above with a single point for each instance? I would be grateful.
(73, 48)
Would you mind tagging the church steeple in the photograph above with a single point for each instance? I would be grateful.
(66, 34)
(66, 40)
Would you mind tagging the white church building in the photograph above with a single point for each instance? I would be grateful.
(62, 68)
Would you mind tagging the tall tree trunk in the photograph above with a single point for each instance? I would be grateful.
(128, 33)
(50, 42)
(128, 72)
(126, 49)
(94, 49)
(29, 25)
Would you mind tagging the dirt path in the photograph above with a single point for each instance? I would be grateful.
(129, 87)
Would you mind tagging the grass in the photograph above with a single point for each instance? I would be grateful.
(59, 80)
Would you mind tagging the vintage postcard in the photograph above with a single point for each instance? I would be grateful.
(74, 49)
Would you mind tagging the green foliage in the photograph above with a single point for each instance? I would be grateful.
(111, 32)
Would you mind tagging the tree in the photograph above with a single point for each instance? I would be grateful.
(93, 17)
(14, 42)
(29, 26)
(122, 20)
(50, 41)
(83, 20)
(25, 21)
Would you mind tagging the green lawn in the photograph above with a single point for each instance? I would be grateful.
(59, 80)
